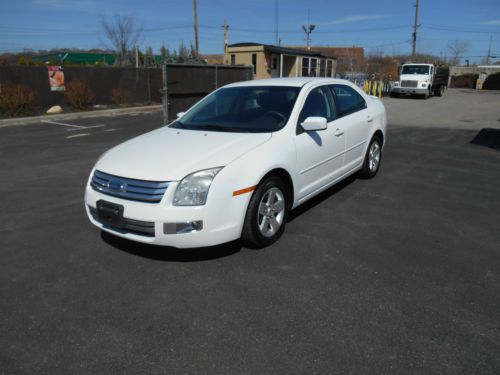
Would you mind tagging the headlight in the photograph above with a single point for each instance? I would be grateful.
(396, 83)
(424, 84)
(193, 189)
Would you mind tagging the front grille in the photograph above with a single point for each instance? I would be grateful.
(127, 188)
(142, 228)
(409, 83)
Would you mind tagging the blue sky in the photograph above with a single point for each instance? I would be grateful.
(381, 25)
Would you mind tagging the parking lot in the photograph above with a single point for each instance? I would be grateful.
(395, 275)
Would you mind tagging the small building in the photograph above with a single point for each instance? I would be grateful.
(349, 59)
(276, 61)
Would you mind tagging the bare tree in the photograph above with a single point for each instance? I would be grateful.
(457, 49)
(123, 33)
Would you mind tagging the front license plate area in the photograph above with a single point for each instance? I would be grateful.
(110, 213)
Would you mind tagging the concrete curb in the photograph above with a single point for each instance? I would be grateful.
(78, 115)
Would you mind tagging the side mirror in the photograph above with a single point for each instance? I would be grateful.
(180, 114)
(314, 123)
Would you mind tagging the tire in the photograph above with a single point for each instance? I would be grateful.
(269, 204)
(439, 91)
(373, 159)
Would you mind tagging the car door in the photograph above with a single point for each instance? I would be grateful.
(320, 154)
(353, 115)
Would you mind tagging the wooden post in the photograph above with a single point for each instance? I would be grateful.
(196, 29)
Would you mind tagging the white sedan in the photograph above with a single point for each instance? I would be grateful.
(236, 163)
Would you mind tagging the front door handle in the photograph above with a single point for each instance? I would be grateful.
(338, 132)
(369, 119)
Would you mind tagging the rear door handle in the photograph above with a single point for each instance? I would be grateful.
(369, 119)
(338, 132)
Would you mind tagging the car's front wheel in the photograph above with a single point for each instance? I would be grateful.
(266, 214)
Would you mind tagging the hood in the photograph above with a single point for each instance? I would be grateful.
(415, 77)
(168, 154)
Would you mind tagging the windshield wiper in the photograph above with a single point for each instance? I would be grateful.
(179, 124)
(216, 127)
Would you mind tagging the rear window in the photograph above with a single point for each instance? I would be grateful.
(347, 100)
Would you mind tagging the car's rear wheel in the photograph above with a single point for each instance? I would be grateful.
(266, 214)
(373, 158)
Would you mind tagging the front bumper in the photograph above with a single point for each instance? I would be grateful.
(409, 90)
(221, 218)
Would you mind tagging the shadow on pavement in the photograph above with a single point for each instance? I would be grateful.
(171, 254)
(487, 137)
(318, 199)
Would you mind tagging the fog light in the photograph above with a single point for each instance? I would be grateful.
(184, 227)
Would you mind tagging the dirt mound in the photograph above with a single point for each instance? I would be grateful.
(492, 82)
(464, 81)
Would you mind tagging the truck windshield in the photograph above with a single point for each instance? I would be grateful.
(248, 109)
(415, 69)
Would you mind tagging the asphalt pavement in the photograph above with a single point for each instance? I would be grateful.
(395, 275)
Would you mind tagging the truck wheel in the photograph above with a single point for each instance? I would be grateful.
(441, 91)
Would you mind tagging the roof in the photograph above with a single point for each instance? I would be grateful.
(339, 52)
(282, 50)
(294, 81)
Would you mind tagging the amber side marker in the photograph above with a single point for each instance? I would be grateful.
(244, 191)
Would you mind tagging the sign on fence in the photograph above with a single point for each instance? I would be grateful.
(56, 78)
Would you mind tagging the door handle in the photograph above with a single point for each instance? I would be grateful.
(369, 119)
(338, 132)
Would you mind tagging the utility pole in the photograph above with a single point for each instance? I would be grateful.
(489, 51)
(226, 27)
(276, 21)
(308, 30)
(415, 30)
(196, 29)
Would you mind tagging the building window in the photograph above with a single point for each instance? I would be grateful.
(305, 67)
(329, 68)
(254, 63)
(314, 70)
(233, 59)
(275, 63)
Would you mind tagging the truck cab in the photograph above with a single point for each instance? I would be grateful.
(421, 79)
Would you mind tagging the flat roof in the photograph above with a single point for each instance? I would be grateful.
(283, 50)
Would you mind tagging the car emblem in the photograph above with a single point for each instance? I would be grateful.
(116, 186)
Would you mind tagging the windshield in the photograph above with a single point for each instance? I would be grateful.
(415, 69)
(256, 109)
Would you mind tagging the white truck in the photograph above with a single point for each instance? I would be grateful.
(422, 80)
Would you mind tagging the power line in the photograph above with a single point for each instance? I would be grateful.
(457, 29)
